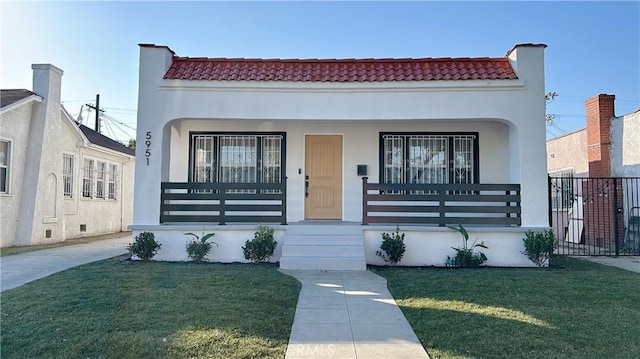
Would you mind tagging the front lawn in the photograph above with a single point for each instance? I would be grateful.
(123, 309)
(581, 310)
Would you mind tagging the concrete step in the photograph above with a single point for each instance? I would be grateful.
(324, 263)
(328, 247)
(326, 230)
(314, 250)
(323, 239)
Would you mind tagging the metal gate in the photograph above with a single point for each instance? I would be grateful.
(595, 216)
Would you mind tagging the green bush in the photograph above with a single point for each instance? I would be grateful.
(144, 246)
(468, 256)
(392, 247)
(539, 246)
(198, 247)
(261, 247)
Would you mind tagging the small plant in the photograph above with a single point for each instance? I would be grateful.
(392, 247)
(468, 256)
(261, 247)
(539, 246)
(144, 246)
(198, 247)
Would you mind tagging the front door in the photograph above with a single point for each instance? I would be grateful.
(323, 177)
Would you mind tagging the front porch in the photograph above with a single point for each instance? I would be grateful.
(490, 212)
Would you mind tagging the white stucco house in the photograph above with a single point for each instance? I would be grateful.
(332, 153)
(58, 179)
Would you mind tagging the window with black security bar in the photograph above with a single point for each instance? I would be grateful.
(237, 158)
(428, 158)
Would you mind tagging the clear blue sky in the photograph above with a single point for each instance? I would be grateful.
(593, 47)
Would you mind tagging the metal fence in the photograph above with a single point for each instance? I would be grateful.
(595, 215)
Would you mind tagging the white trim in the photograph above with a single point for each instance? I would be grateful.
(314, 87)
(24, 101)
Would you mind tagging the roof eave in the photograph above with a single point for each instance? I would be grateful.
(24, 101)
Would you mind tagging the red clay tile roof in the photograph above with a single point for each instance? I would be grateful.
(346, 70)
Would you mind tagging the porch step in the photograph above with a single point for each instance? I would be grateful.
(324, 263)
(323, 247)
(315, 250)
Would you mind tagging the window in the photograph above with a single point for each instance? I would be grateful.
(100, 174)
(429, 158)
(87, 179)
(562, 183)
(5, 165)
(111, 194)
(99, 180)
(240, 158)
(67, 174)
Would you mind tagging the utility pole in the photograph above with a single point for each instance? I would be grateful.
(98, 110)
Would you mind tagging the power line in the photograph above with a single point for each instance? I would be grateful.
(113, 122)
(76, 101)
(120, 109)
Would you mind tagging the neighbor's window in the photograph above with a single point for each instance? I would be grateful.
(5, 165)
(429, 158)
(562, 188)
(67, 174)
(100, 175)
(87, 179)
(239, 158)
(111, 194)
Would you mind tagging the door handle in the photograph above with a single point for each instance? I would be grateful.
(306, 186)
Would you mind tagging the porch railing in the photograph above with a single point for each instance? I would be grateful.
(223, 203)
(441, 204)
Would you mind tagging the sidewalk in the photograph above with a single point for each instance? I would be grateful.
(630, 263)
(19, 269)
(349, 314)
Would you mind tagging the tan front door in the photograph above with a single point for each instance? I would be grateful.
(323, 163)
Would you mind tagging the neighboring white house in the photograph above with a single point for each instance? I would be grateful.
(58, 179)
(625, 145)
(300, 135)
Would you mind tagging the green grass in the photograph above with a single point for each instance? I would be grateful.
(122, 309)
(7, 251)
(579, 310)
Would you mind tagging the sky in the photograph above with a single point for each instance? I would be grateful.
(593, 47)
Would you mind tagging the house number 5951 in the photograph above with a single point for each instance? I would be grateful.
(147, 142)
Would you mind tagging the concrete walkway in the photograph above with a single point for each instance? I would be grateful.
(630, 263)
(18, 269)
(349, 314)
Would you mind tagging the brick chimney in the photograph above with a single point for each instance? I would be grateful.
(600, 110)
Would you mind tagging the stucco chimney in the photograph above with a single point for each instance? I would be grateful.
(600, 111)
(40, 212)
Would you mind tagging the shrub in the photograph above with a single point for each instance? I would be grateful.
(392, 247)
(539, 246)
(198, 247)
(144, 246)
(468, 256)
(261, 247)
